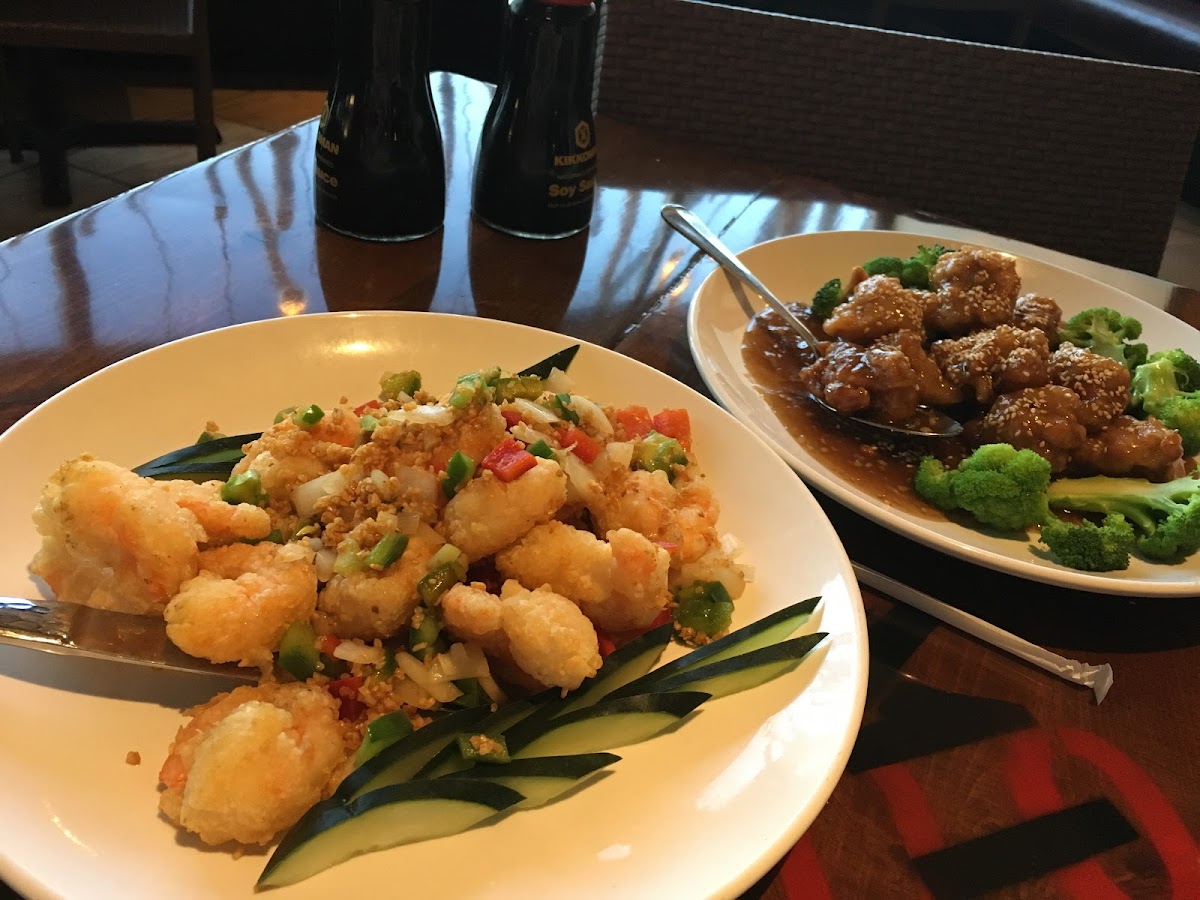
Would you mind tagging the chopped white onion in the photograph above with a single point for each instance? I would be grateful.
(731, 546)
(418, 485)
(581, 483)
(354, 652)
(619, 454)
(492, 689)
(534, 413)
(426, 414)
(407, 521)
(435, 682)
(523, 432)
(591, 415)
(306, 496)
(315, 543)
(324, 563)
(463, 661)
(747, 573)
(559, 381)
(382, 483)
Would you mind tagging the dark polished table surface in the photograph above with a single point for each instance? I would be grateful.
(973, 771)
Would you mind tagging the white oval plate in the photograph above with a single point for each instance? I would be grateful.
(703, 811)
(793, 268)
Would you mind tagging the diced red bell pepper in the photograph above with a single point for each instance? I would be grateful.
(345, 691)
(585, 446)
(511, 417)
(607, 645)
(635, 421)
(363, 407)
(327, 643)
(508, 460)
(675, 423)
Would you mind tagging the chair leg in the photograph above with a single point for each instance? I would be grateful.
(50, 128)
(202, 84)
(10, 119)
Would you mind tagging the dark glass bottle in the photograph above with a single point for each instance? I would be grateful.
(379, 168)
(536, 171)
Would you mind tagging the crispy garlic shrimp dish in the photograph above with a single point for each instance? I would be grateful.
(385, 562)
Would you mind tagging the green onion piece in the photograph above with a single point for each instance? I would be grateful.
(245, 488)
(309, 528)
(284, 413)
(704, 606)
(459, 470)
(393, 384)
(472, 693)
(368, 423)
(389, 549)
(438, 581)
(298, 651)
(424, 635)
(542, 449)
(389, 664)
(382, 733)
(483, 748)
(350, 560)
(562, 405)
(658, 453)
(518, 387)
(447, 553)
(309, 416)
(467, 390)
(206, 436)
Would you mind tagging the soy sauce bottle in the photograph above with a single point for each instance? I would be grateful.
(379, 168)
(536, 172)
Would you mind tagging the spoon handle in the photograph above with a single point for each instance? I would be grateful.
(699, 234)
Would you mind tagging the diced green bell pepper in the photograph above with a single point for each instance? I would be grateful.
(298, 654)
(245, 488)
(382, 733)
(308, 417)
(483, 748)
(705, 607)
(542, 449)
(393, 384)
(459, 470)
(518, 387)
(658, 453)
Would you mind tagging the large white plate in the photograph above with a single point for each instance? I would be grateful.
(703, 811)
(793, 268)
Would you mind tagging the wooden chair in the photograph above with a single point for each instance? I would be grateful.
(1081, 155)
(40, 30)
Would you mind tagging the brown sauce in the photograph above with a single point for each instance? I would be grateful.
(884, 468)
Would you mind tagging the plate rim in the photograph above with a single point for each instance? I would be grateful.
(21, 877)
(885, 516)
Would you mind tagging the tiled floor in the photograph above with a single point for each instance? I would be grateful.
(98, 173)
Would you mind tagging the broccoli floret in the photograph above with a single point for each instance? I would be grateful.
(912, 272)
(1165, 517)
(1091, 547)
(1167, 386)
(827, 297)
(999, 485)
(884, 265)
(1107, 332)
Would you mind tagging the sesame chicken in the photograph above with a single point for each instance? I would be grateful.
(878, 306)
(1135, 447)
(1042, 313)
(1043, 419)
(971, 289)
(932, 387)
(1101, 383)
(852, 379)
(993, 361)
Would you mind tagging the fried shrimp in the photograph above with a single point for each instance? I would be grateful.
(620, 584)
(287, 456)
(113, 540)
(647, 502)
(242, 601)
(250, 762)
(222, 522)
(489, 514)
(540, 632)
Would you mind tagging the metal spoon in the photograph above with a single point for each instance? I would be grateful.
(928, 423)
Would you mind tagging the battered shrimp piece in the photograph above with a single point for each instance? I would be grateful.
(371, 605)
(252, 761)
(222, 522)
(543, 634)
(620, 584)
(287, 456)
(242, 602)
(971, 289)
(489, 514)
(684, 514)
(879, 305)
(112, 540)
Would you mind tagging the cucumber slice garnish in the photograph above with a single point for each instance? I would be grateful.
(542, 778)
(214, 455)
(607, 724)
(400, 761)
(747, 670)
(766, 631)
(560, 360)
(331, 832)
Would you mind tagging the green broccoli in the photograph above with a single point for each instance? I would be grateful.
(827, 297)
(1091, 547)
(1107, 332)
(912, 272)
(1165, 517)
(1167, 386)
(999, 485)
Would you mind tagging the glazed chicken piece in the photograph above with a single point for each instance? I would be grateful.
(971, 289)
(1135, 447)
(994, 361)
(878, 306)
(932, 387)
(853, 379)
(1101, 383)
(1042, 313)
(1043, 419)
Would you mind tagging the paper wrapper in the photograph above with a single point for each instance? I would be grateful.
(1098, 678)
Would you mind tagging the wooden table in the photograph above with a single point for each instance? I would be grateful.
(972, 771)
